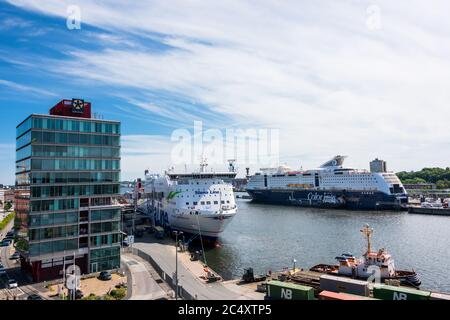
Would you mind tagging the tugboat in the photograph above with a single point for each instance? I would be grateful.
(372, 263)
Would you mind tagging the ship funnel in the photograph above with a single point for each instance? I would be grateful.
(337, 161)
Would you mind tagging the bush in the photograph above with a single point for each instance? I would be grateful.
(91, 297)
(118, 294)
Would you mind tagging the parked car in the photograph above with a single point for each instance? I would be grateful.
(10, 234)
(14, 256)
(34, 297)
(12, 284)
(5, 243)
(105, 276)
(139, 233)
(2, 270)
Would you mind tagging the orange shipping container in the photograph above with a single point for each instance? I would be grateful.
(328, 295)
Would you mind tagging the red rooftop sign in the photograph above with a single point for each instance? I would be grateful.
(72, 108)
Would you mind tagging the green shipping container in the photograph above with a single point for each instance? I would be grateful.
(278, 290)
(439, 296)
(386, 292)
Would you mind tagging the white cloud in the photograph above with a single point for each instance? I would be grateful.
(312, 69)
(25, 88)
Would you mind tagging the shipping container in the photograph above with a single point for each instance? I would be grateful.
(386, 292)
(439, 296)
(277, 290)
(345, 285)
(329, 295)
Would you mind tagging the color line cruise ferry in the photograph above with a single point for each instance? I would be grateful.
(329, 186)
(198, 203)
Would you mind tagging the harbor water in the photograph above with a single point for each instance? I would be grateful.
(269, 237)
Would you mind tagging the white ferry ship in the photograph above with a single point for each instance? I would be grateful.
(198, 203)
(330, 186)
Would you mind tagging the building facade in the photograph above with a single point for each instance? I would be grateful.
(6, 195)
(67, 183)
(378, 165)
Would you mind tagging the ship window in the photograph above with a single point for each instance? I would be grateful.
(195, 203)
(223, 202)
(208, 202)
(216, 202)
(203, 202)
(187, 203)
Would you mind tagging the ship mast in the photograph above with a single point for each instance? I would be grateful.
(367, 231)
(203, 165)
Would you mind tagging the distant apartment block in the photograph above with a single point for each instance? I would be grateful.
(67, 183)
(378, 165)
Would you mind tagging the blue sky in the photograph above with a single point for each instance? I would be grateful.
(362, 78)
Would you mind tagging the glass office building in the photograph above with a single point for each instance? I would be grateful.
(68, 180)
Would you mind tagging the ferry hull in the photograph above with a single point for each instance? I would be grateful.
(330, 199)
(210, 226)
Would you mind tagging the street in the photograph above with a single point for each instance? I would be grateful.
(13, 271)
(144, 287)
(189, 272)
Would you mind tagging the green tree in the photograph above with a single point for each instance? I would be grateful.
(439, 176)
(7, 206)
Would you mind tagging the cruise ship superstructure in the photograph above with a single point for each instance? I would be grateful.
(198, 203)
(330, 186)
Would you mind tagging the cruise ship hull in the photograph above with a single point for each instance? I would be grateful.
(210, 226)
(355, 200)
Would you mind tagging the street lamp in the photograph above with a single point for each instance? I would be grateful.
(294, 261)
(176, 233)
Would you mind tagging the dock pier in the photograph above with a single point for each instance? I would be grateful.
(429, 211)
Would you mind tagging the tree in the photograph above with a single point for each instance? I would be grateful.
(7, 206)
(439, 176)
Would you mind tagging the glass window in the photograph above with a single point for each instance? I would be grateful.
(34, 249)
(37, 123)
(61, 138)
(72, 217)
(24, 140)
(59, 218)
(59, 245)
(35, 221)
(46, 219)
(25, 126)
(23, 153)
(46, 247)
(72, 244)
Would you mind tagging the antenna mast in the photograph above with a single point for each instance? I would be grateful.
(367, 231)
(231, 166)
(203, 165)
